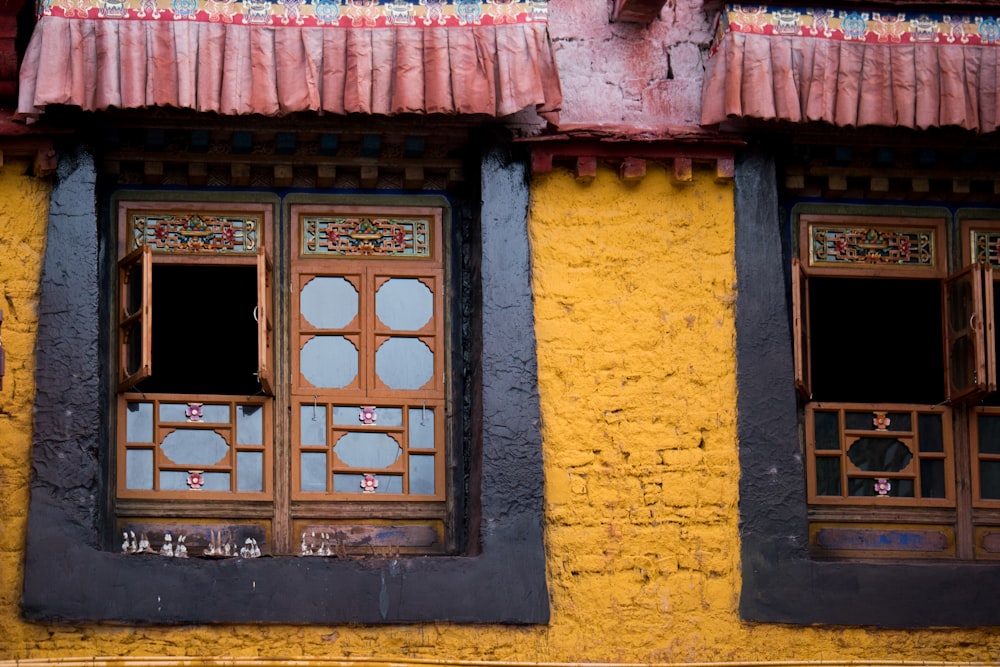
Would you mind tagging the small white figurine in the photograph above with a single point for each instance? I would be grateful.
(168, 546)
(181, 550)
(144, 544)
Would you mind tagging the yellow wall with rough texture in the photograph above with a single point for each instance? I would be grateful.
(634, 288)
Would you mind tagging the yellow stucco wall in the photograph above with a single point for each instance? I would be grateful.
(634, 288)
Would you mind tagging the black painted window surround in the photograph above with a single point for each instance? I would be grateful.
(68, 576)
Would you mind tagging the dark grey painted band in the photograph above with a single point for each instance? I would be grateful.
(68, 576)
(780, 582)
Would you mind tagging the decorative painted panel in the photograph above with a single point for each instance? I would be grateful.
(329, 13)
(358, 236)
(850, 25)
(986, 246)
(194, 233)
(844, 246)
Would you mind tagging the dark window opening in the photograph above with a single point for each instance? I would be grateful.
(204, 335)
(876, 340)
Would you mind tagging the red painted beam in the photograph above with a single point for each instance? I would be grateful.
(637, 11)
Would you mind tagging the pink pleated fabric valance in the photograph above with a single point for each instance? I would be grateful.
(256, 57)
(854, 68)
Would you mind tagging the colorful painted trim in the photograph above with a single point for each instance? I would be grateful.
(195, 233)
(849, 25)
(986, 247)
(839, 246)
(326, 13)
(388, 237)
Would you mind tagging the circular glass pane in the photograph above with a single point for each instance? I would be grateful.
(404, 363)
(404, 304)
(330, 362)
(329, 302)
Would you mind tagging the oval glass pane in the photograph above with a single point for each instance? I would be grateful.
(879, 454)
(194, 448)
(368, 450)
(329, 302)
(404, 363)
(329, 362)
(404, 304)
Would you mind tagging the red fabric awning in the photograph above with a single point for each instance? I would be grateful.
(854, 68)
(371, 56)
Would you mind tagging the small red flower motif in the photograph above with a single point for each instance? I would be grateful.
(228, 235)
(367, 415)
(399, 237)
(161, 232)
(369, 483)
(881, 421)
(195, 479)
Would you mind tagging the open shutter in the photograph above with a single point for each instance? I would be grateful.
(135, 300)
(968, 333)
(265, 327)
(800, 329)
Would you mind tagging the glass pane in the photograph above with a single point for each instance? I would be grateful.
(329, 302)
(989, 480)
(249, 471)
(329, 362)
(183, 412)
(313, 471)
(422, 428)
(351, 415)
(312, 424)
(172, 480)
(930, 433)
(249, 425)
(932, 479)
(139, 469)
(827, 430)
(879, 454)
(368, 450)
(351, 483)
(422, 475)
(139, 422)
(404, 363)
(989, 434)
(194, 447)
(404, 304)
(865, 421)
(828, 476)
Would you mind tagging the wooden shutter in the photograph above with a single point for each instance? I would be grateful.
(265, 326)
(800, 330)
(969, 348)
(135, 297)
